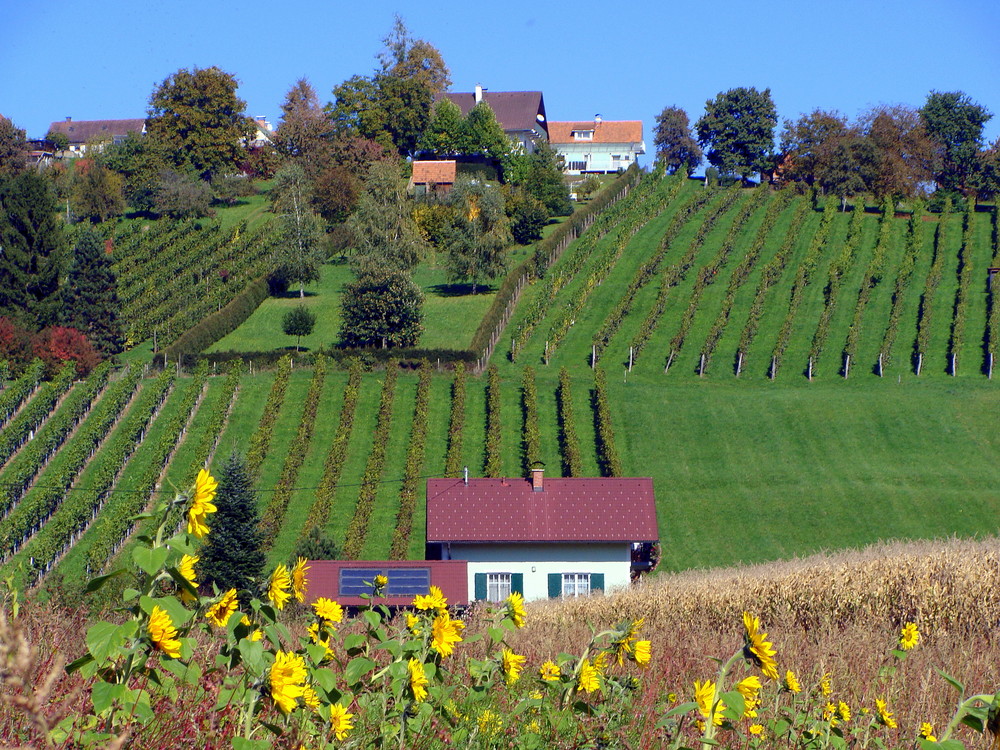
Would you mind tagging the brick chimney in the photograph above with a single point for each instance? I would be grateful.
(537, 472)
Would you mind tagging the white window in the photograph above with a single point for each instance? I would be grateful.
(497, 586)
(575, 584)
(583, 135)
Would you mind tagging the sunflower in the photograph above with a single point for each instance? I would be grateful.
(218, 614)
(704, 695)
(418, 680)
(201, 504)
(310, 698)
(512, 665)
(642, 653)
(288, 676)
(434, 599)
(757, 648)
(162, 632)
(909, 636)
(299, 581)
(885, 716)
(277, 589)
(328, 610)
(927, 731)
(445, 633)
(316, 638)
(588, 680)
(515, 609)
(340, 721)
(791, 683)
(186, 569)
(748, 687)
(549, 671)
(844, 710)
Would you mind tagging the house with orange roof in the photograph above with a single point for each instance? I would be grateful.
(432, 177)
(598, 145)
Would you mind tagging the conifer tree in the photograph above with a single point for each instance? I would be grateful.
(234, 556)
(90, 297)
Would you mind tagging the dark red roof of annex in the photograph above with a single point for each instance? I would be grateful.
(566, 510)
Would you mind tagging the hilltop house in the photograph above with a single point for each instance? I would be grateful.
(597, 145)
(521, 114)
(487, 538)
(83, 132)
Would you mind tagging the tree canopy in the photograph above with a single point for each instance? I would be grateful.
(383, 229)
(955, 124)
(89, 299)
(198, 119)
(301, 250)
(305, 131)
(676, 148)
(737, 130)
(382, 308)
(479, 236)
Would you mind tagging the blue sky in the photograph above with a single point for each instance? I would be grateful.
(624, 60)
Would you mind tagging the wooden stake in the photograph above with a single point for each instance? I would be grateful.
(809, 372)
(670, 360)
(701, 367)
(546, 353)
(593, 356)
(847, 366)
(774, 367)
(954, 365)
(739, 363)
(989, 371)
(631, 357)
(880, 364)
(920, 361)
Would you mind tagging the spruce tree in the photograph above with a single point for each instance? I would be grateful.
(234, 556)
(90, 296)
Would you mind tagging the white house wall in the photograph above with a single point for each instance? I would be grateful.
(597, 157)
(536, 561)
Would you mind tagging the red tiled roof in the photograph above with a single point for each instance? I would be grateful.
(566, 510)
(81, 131)
(606, 131)
(438, 172)
(515, 110)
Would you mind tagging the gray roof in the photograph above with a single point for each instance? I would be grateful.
(515, 110)
(82, 131)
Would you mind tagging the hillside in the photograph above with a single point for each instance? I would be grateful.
(746, 469)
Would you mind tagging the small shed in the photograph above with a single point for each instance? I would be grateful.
(346, 580)
(432, 177)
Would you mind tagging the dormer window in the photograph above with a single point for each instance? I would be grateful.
(583, 135)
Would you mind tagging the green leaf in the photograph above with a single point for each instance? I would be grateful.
(103, 639)
(79, 663)
(252, 653)
(316, 652)
(150, 559)
(946, 745)
(95, 583)
(681, 709)
(104, 694)
(735, 705)
(358, 668)
(952, 681)
(129, 594)
(241, 743)
(975, 719)
(353, 641)
(372, 618)
(496, 634)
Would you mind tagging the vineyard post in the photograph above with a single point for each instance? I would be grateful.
(739, 363)
(701, 367)
(954, 365)
(670, 360)
(989, 371)
(880, 364)
(847, 365)
(593, 356)
(810, 369)
(546, 353)
(774, 366)
(631, 357)
(920, 361)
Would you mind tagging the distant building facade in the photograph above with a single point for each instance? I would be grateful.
(598, 145)
(81, 133)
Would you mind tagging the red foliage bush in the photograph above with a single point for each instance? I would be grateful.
(57, 344)
(15, 344)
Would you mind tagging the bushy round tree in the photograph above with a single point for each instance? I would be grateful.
(382, 308)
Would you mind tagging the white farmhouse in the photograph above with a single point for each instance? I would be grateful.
(543, 538)
(597, 145)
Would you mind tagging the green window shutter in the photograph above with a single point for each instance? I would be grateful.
(597, 581)
(555, 585)
(517, 583)
(480, 580)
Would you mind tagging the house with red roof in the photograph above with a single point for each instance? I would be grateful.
(521, 114)
(543, 538)
(598, 145)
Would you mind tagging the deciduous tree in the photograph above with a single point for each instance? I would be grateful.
(676, 148)
(301, 251)
(479, 236)
(904, 151)
(199, 120)
(737, 130)
(298, 322)
(955, 124)
(383, 229)
(57, 345)
(383, 307)
(97, 193)
(13, 148)
(305, 131)
(139, 161)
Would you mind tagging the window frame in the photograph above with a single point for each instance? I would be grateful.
(573, 584)
(500, 586)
